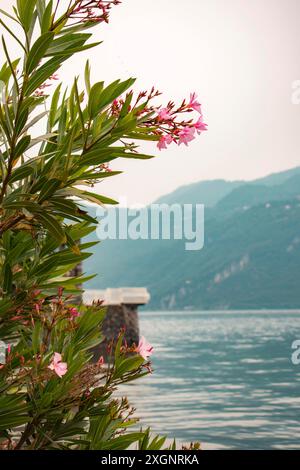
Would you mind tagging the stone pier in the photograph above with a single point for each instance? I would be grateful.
(122, 313)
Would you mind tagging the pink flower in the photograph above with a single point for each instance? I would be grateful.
(8, 349)
(60, 368)
(186, 135)
(194, 104)
(74, 312)
(164, 115)
(200, 126)
(144, 348)
(93, 10)
(100, 361)
(164, 141)
(105, 167)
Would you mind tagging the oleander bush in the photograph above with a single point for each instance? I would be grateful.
(51, 395)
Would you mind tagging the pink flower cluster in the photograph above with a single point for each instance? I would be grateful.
(93, 10)
(74, 313)
(163, 123)
(180, 132)
(40, 92)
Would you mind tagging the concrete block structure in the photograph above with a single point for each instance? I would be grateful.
(122, 313)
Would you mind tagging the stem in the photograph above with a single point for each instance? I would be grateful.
(26, 434)
(65, 16)
(14, 140)
(10, 223)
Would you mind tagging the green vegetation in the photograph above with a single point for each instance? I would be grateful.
(48, 385)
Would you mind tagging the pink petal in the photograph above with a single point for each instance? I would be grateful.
(57, 358)
(144, 348)
(61, 369)
(164, 114)
(164, 141)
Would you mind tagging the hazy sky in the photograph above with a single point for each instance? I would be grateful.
(240, 56)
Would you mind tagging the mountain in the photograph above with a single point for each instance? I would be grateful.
(250, 260)
(211, 192)
(249, 195)
(206, 192)
(278, 178)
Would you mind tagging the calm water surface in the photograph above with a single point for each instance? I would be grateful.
(225, 379)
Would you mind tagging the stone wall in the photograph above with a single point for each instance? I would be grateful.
(119, 317)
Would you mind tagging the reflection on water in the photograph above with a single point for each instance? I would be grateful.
(225, 379)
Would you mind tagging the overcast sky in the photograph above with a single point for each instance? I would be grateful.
(240, 56)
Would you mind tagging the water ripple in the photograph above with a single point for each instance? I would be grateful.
(225, 379)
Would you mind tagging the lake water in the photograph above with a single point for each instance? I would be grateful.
(225, 379)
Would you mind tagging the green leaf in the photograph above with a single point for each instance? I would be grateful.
(64, 206)
(95, 176)
(5, 72)
(122, 442)
(19, 205)
(72, 50)
(93, 197)
(138, 156)
(20, 173)
(13, 72)
(126, 105)
(114, 90)
(34, 121)
(78, 103)
(14, 411)
(99, 99)
(142, 135)
(93, 104)
(81, 230)
(87, 77)
(38, 50)
(125, 125)
(67, 282)
(36, 337)
(5, 305)
(44, 268)
(42, 74)
(128, 365)
(54, 105)
(13, 35)
(25, 11)
(47, 18)
(51, 224)
(49, 189)
(21, 121)
(67, 41)
(22, 146)
(66, 258)
(7, 278)
(99, 155)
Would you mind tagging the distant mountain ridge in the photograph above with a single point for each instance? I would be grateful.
(278, 178)
(251, 257)
(211, 192)
(254, 194)
(206, 192)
